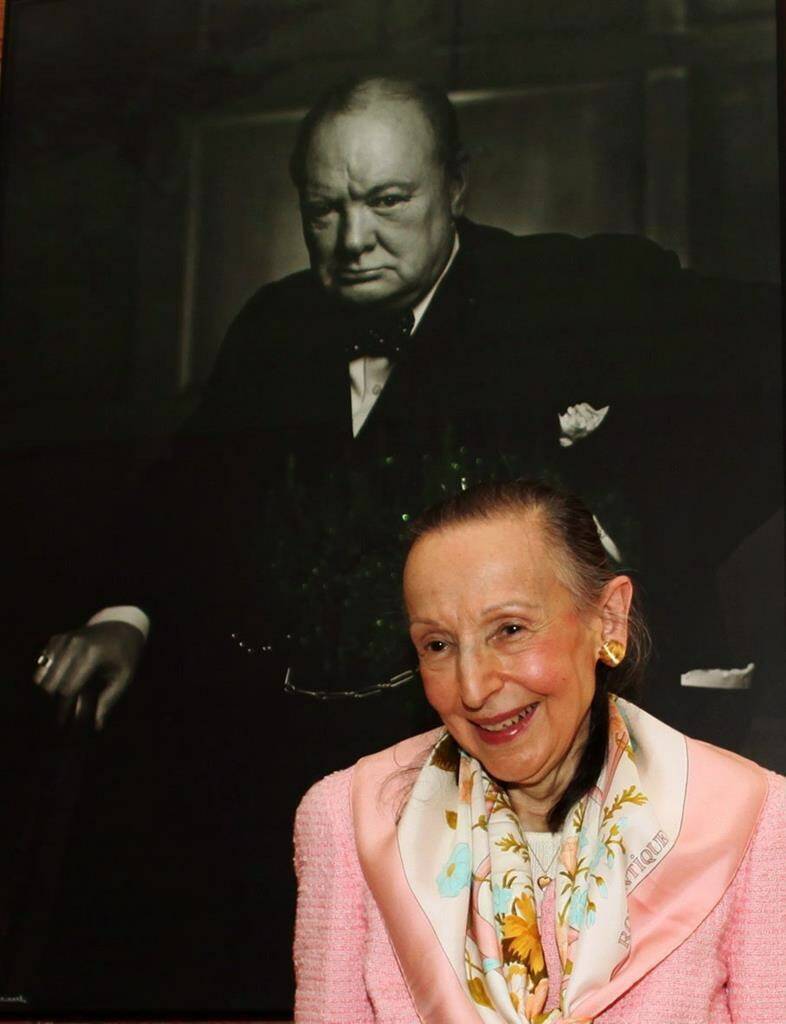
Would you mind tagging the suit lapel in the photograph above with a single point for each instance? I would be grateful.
(724, 799)
(328, 394)
(376, 792)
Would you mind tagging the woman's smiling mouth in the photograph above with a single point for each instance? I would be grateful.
(501, 730)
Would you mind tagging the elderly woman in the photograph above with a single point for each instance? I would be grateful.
(553, 853)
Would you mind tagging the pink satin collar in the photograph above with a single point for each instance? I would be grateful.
(724, 798)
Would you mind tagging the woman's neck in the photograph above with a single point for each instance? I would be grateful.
(532, 802)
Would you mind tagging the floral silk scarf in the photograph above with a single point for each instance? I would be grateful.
(468, 863)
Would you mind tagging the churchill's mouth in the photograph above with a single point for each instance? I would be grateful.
(348, 275)
(505, 729)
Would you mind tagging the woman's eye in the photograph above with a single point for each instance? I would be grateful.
(435, 646)
(511, 629)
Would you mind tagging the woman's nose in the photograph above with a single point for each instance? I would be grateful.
(478, 677)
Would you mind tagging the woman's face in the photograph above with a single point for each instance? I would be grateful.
(506, 658)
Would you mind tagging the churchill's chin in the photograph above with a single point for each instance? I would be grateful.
(356, 295)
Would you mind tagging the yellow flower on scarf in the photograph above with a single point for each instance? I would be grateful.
(521, 939)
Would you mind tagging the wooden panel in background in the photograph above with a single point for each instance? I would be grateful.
(288, 30)
(666, 185)
(500, 17)
(734, 171)
(711, 9)
(561, 159)
(247, 231)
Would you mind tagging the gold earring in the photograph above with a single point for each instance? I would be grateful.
(611, 653)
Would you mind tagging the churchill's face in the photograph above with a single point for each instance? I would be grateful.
(378, 207)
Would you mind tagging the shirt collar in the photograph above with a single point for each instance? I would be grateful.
(419, 310)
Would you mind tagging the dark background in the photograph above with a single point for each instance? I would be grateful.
(145, 196)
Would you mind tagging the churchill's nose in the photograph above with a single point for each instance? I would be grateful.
(357, 234)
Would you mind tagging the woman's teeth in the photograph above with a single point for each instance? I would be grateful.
(509, 722)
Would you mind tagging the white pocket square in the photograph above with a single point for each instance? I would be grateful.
(579, 421)
(719, 678)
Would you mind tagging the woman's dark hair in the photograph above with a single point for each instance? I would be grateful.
(355, 92)
(584, 568)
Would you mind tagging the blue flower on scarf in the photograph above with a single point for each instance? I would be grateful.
(579, 911)
(502, 899)
(457, 872)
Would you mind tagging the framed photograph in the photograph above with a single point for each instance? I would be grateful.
(188, 451)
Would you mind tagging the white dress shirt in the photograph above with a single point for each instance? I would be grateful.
(368, 374)
(367, 377)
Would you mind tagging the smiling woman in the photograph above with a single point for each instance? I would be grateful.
(509, 608)
(553, 853)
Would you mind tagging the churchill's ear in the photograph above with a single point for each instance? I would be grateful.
(458, 184)
(614, 610)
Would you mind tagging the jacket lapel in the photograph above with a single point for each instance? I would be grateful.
(379, 785)
(724, 797)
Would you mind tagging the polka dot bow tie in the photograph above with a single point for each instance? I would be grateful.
(384, 338)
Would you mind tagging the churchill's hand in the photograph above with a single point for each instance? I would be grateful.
(105, 654)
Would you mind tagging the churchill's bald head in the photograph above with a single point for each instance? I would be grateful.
(359, 92)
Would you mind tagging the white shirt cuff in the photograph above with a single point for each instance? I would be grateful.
(123, 613)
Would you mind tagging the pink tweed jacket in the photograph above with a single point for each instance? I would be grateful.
(729, 971)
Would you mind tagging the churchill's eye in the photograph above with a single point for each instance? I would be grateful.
(316, 211)
(511, 629)
(389, 201)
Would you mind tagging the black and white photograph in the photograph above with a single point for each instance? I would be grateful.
(323, 320)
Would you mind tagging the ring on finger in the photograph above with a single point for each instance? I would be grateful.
(44, 660)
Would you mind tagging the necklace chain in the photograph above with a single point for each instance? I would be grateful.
(545, 869)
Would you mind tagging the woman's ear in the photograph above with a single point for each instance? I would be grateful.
(614, 609)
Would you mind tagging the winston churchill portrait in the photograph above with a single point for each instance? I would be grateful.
(422, 351)
(236, 614)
